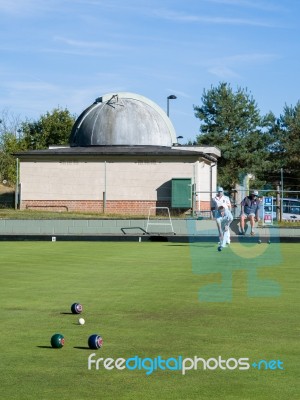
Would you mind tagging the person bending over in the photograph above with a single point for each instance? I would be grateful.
(223, 220)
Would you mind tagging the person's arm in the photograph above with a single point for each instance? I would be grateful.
(213, 205)
(242, 205)
(218, 221)
(257, 212)
(228, 203)
(229, 218)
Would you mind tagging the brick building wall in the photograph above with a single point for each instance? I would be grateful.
(123, 207)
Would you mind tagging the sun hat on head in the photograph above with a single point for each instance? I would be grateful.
(255, 192)
(220, 189)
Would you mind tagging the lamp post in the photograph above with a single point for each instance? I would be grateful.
(171, 97)
(179, 137)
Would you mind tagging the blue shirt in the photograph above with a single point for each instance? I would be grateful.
(251, 205)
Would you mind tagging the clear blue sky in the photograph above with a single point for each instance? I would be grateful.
(66, 53)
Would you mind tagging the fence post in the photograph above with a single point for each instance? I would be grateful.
(278, 205)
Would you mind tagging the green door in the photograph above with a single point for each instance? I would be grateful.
(181, 193)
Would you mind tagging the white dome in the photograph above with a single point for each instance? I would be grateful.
(123, 119)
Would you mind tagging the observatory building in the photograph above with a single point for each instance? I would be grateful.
(123, 158)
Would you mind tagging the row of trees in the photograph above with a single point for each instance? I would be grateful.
(249, 142)
(229, 120)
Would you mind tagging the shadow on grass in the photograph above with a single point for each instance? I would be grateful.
(81, 348)
(158, 239)
(176, 245)
(45, 347)
(188, 244)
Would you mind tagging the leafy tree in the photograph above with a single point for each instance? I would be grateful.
(51, 129)
(10, 133)
(286, 150)
(9, 144)
(231, 121)
(9, 123)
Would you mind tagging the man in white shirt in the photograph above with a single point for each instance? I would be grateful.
(221, 200)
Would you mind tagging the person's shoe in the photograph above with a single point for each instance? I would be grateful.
(228, 242)
(242, 233)
(252, 233)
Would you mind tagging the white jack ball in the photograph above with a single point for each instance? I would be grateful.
(81, 321)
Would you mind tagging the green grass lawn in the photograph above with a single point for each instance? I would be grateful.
(143, 299)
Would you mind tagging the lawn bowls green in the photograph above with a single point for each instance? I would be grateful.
(95, 342)
(57, 341)
(76, 308)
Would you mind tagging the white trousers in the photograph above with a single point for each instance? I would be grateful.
(226, 238)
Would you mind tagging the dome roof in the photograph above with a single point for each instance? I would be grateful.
(123, 119)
